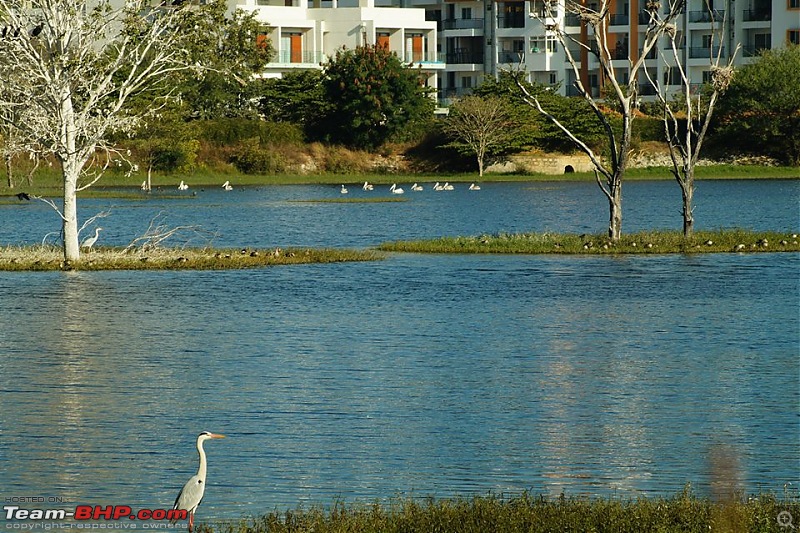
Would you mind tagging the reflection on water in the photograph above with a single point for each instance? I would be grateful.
(414, 375)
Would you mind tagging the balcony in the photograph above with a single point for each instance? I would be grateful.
(753, 51)
(698, 53)
(706, 16)
(514, 58)
(572, 20)
(753, 15)
(618, 20)
(511, 20)
(299, 57)
(462, 24)
(464, 57)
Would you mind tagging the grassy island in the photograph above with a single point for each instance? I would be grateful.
(685, 513)
(651, 242)
(40, 258)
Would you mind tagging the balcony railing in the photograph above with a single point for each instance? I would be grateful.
(695, 53)
(706, 16)
(464, 58)
(505, 56)
(511, 20)
(753, 51)
(571, 19)
(751, 15)
(462, 24)
(287, 56)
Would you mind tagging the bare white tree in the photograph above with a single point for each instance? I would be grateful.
(619, 75)
(69, 69)
(697, 107)
(479, 125)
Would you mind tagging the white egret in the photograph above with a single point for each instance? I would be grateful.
(395, 189)
(182, 186)
(88, 243)
(344, 190)
(192, 492)
(474, 187)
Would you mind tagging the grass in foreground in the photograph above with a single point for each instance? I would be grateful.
(658, 242)
(530, 514)
(42, 258)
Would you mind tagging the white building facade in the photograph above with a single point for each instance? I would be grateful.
(458, 43)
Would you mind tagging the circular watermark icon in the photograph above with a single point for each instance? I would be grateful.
(785, 519)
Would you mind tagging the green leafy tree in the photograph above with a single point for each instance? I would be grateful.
(534, 130)
(760, 112)
(371, 96)
(231, 49)
(296, 97)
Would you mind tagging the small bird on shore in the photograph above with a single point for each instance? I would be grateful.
(88, 243)
(23, 196)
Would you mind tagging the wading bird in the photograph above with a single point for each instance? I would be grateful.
(191, 494)
(88, 243)
(23, 196)
(474, 187)
(395, 189)
(182, 186)
(227, 186)
(367, 186)
(416, 187)
(344, 189)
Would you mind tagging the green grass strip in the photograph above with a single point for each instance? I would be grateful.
(651, 242)
(527, 513)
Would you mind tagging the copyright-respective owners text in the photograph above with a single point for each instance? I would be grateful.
(28, 513)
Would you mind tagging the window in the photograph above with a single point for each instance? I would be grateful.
(794, 4)
(708, 40)
(762, 41)
(466, 82)
(793, 36)
(466, 13)
(672, 77)
(707, 76)
(553, 78)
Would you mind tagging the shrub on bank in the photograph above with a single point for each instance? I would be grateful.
(527, 513)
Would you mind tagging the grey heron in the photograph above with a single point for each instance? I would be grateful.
(192, 492)
(88, 243)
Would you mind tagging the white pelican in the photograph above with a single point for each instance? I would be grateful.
(447, 187)
(437, 187)
(474, 187)
(395, 189)
(344, 189)
(144, 185)
(182, 186)
(192, 492)
(88, 243)
(416, 187)
(367, 186)
(227, 186)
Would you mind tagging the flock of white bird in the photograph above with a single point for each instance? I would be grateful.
(394, 189)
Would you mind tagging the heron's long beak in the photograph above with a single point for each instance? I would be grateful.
(217, 436)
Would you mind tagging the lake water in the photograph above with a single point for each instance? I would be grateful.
(416, 375)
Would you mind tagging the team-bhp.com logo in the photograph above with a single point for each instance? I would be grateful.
(94, 512)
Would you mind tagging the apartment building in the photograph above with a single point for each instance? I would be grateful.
(457, 43)
(305, 33)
